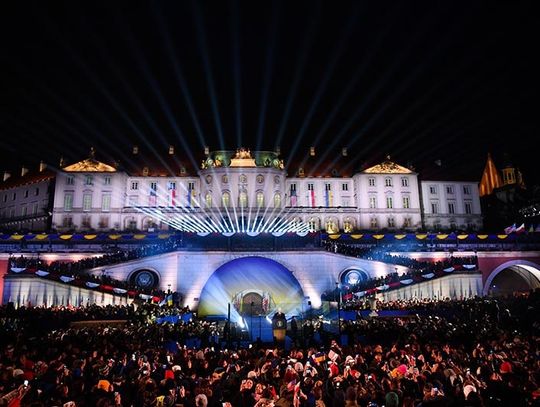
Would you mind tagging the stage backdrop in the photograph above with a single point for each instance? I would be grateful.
(254, 286)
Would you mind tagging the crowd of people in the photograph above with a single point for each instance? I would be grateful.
(477, 352)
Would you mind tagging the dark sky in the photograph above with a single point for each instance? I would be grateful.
(422, 81)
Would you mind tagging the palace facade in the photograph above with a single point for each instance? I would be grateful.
(237, 191)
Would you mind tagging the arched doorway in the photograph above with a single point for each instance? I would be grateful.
(516, 276)
(240, 282)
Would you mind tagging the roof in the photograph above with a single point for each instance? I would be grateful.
(387, 167)
(31, 177)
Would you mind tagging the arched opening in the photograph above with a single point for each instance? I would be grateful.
(513, 277)
(246, 280)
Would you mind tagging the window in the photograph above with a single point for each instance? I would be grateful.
(404, 182)
(87, 202)
(389, 202)
(106, 202)
(191, 186)
(345, 201)
(372, 202)
(466, 189)
(388, 182)
(468, 207)
(310, 187)
(5, 198)
(208, 199)
(36, 192)
(344, 187)
(449, 189)
(327, 187)
(226, 199)
(242, 199)
(107, 180)
(134, 185)
(153, 186)
(373, 223)
(432, 189)
(34, 208)
(371, 182)
(88, 180)
(260, 199)
(12, 213)
(70, 180)
(434, 207)
(406, 202)
(67, 221)
(348, 225)
(24, 210)
(407, 222)
(26, 194)
(14, 196)
(86, 221)
(68, 201)
(391, 222)
(331, 226)
(451, 207)
(293, 187)
(103, 222)
(313, 225)
(277, 200)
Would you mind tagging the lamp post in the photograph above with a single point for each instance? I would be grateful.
(338, 310)
(251, 320)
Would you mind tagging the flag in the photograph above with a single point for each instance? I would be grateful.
(191, 195)
(152, 199)
(172, 193)
(510, 229)
(521, 228)
(294, 200)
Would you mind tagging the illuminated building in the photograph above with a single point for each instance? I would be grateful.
(251, 192)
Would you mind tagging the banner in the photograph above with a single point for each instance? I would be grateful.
(91, 285)
(18, 269)
(66, 279)
(42, 273)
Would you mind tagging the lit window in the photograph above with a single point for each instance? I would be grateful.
(389, 202)
(87, 202)
(406, 202)
(372, 202)
(226, 199)
(277, 200)
(260, 199)
(106, 202)
(208, 199)
(68, 202)
(243, 199)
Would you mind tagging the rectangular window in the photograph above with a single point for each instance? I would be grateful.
(344, 187)
(346, 201)
(434, 207)
(86, 221)
(389, 202)
(26, 194)
(391, 222)
(153, 186)
(388, 182)
(87, 202)
(371, 182)
(451, 207)
(70, 180)
(406, 202)
(466, 189)
(407, 222)
(107, 181)
(67, 222)
(34, 208)
(134, 185)
(293, 187)
(36, 192)
(327, 187)
(432, 189)
(373, 223)
(68, 201)
(468, 207)
(404, 182)
(24, 210)
(103, 222)
(373, 202)
(310, 187)
(14, 196)
(191, 186)
(5, 198)
(449, 189)
(12, 213)
(106, 202)
(88, 180)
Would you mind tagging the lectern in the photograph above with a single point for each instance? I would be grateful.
(279, 326)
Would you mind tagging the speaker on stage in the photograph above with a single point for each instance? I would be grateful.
(279, 326)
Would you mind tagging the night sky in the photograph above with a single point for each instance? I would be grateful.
(425, 82)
